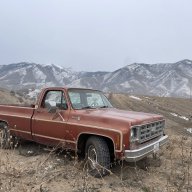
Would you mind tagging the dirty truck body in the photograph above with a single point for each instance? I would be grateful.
(77, 119)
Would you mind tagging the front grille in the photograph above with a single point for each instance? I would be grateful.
(150, 130)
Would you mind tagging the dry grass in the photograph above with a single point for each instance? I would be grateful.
(32, 168)
(7, 97)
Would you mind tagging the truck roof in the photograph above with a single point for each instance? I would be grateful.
(67, 88)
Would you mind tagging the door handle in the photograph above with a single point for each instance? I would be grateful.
(76, 118)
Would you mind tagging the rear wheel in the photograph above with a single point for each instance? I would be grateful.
(97, 156)
(5, 138)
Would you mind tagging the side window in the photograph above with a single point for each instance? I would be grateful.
(54, 99)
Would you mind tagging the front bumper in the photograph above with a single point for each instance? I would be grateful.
(137, 154)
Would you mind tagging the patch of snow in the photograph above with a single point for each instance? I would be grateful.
(111, 76)
(132, 66)
(76, 84)
(39, 75)
(126, 84)
(188, 61)
(189, 130)
(33, 93)
(45, 65)
(183, 89)
(182, 117)
(58, 66)
(134, 97)
(30, 152)
(144, 72)
(185, 118)
(106, 76)
(174, 114)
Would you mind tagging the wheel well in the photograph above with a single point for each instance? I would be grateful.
(82, 142)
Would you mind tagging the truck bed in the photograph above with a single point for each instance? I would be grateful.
(19, 119)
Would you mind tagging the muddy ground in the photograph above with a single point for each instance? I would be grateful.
(33, 167)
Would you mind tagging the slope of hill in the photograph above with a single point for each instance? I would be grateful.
(7, 97)
(169, 79)
(177, 111)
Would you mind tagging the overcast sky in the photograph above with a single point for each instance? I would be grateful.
(92, 35)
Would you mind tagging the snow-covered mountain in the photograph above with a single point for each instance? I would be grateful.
(166, 79)
(21, 75)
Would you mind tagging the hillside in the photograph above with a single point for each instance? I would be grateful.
(163, 79)
(177, 111)
(10, 97)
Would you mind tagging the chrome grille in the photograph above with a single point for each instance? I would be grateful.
(150, 130)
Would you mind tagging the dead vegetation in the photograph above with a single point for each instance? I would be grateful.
(33, 168)
(11, 97)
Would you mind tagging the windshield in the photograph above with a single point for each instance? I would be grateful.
(88, 99)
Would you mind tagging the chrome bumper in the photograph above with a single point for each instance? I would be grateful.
(137, 154)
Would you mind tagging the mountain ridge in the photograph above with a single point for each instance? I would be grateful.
(162, 79)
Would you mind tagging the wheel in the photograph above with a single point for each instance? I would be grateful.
(97, 156)
(5, 141)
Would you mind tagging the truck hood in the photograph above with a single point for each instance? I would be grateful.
(134, 117)
(128, 117)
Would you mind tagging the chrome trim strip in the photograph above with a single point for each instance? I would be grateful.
(53, 121)
(12, 106)
(54, 138)
(38, 135)
(16, 116)
(27, 132)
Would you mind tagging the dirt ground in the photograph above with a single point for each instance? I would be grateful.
(35, 168)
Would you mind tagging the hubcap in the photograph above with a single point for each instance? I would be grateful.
(92, 157)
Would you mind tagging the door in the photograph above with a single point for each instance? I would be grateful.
(49, 124)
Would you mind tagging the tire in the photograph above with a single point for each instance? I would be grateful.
(5, 138)
(97, 156)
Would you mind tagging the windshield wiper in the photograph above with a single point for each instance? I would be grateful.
(88, 107)
(104, 106)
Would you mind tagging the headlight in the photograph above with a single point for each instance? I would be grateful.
(134, 134)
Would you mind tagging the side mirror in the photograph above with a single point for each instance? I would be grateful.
(32, 105)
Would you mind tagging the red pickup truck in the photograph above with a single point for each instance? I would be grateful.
(83, 120)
